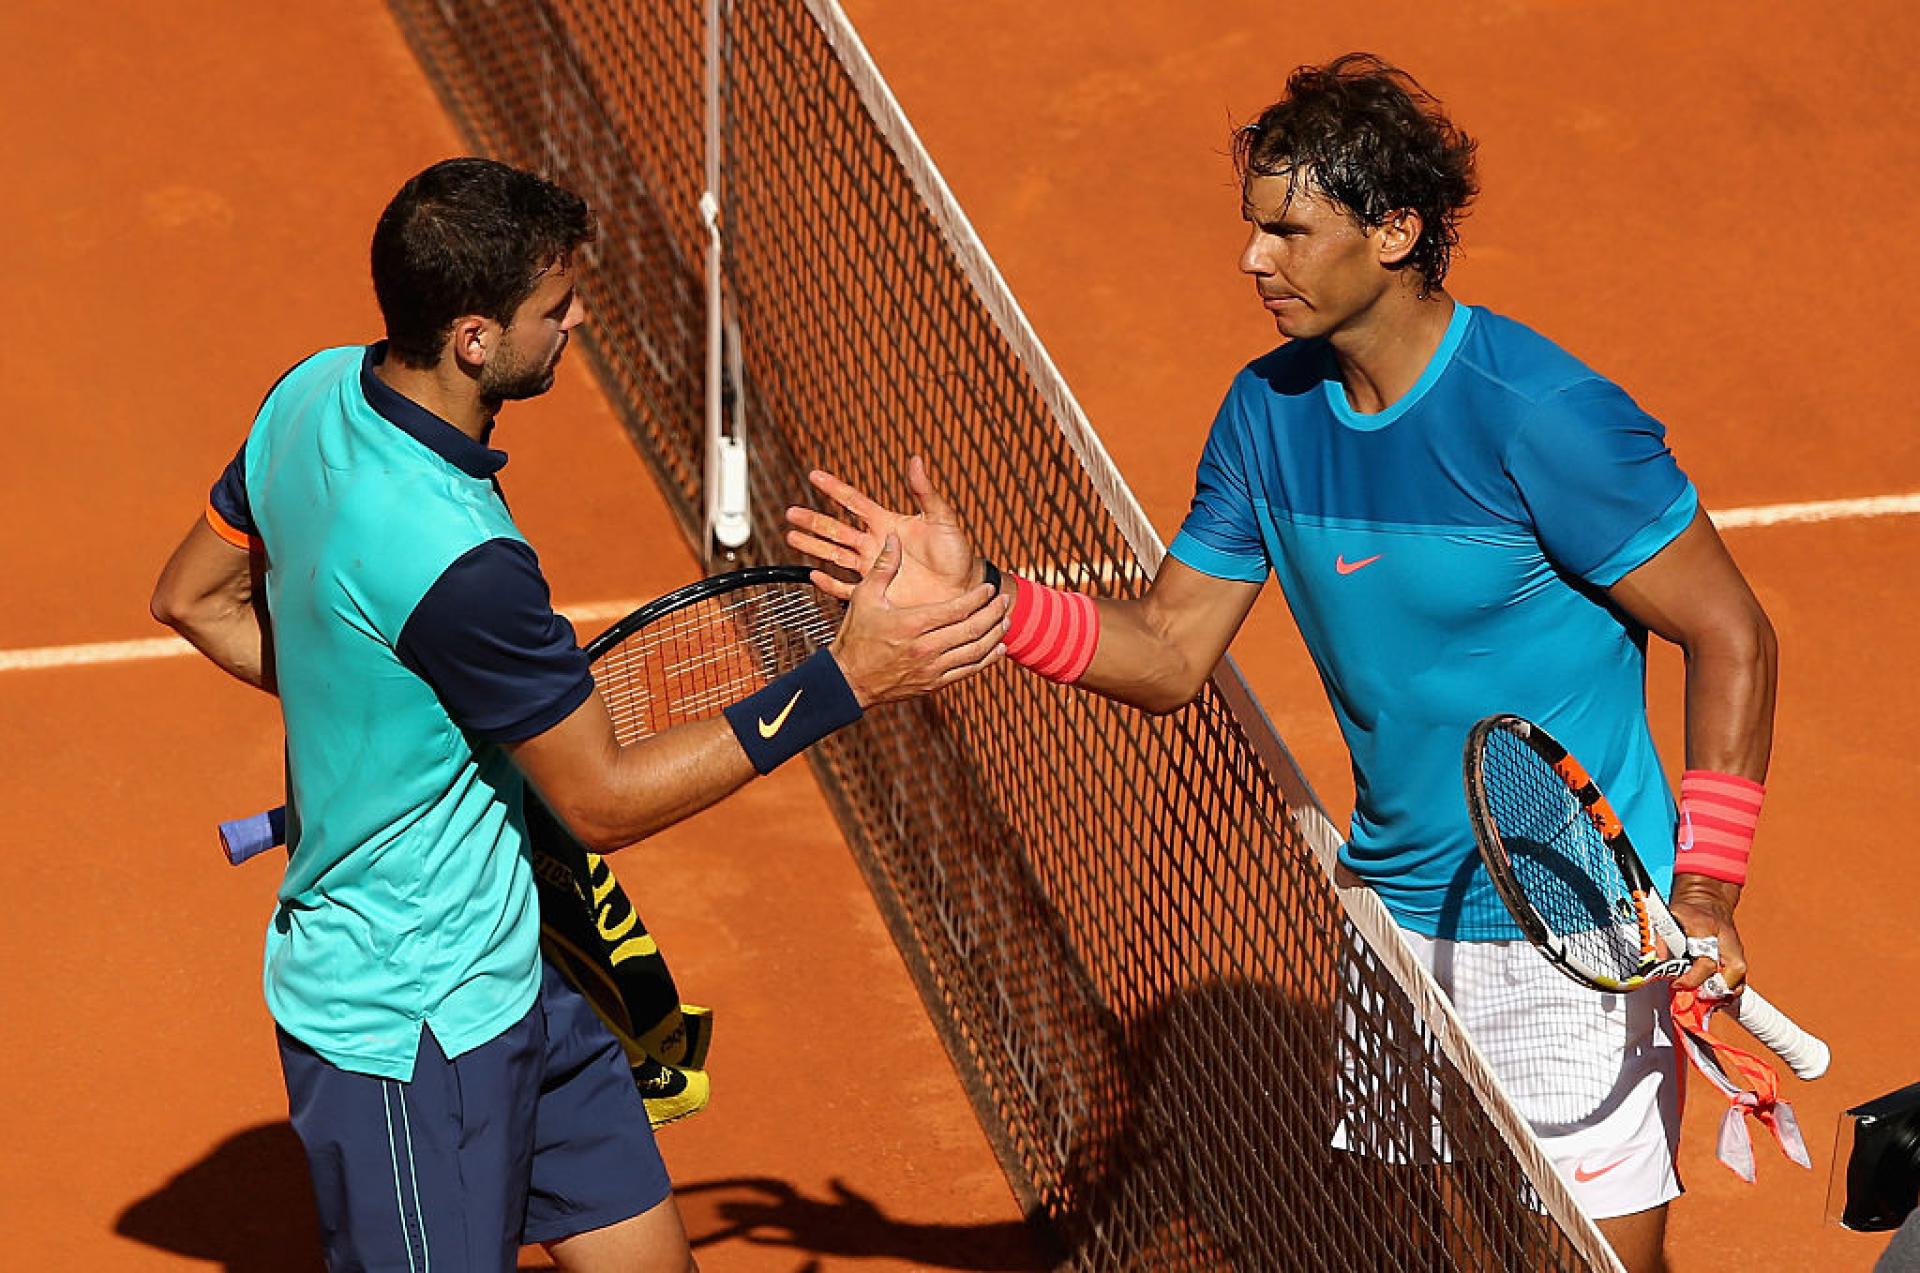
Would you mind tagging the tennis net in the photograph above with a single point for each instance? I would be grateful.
(1127, 929)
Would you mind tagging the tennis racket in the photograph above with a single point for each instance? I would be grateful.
(1560, 859)
(682, 657)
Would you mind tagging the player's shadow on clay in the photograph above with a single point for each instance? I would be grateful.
(247, 1207)
(765, 1212)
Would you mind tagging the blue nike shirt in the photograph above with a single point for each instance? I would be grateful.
(1445, 559)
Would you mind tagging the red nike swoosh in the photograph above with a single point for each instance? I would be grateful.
(1346, 567)
(1582, 1175)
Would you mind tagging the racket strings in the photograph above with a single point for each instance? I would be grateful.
(693, 662)
(1568, 873)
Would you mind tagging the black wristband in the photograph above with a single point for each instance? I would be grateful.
(991, 573)
(794, 712)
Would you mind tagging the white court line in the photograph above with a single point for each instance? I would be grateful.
(1827, 510)
(173, 647)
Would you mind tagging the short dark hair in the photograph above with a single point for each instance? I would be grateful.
(1367, 136)
(467, 236)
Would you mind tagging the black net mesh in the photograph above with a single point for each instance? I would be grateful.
(1158, 1004)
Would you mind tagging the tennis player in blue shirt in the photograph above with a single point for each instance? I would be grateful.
(1464, 519)
(454, 1095)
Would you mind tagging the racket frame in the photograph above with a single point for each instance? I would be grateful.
(697, 591)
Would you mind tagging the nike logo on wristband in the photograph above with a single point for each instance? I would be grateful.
(1346, 567)
(1685, 842)
(769, 728)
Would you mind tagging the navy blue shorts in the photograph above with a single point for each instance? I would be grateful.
(533, 1137)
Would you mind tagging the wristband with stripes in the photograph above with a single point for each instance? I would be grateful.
(1718, 813)
(1051, 632)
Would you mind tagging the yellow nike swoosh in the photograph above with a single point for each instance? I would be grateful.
(769, 728)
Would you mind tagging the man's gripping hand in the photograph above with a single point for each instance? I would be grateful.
(1703, 907)
(889, 651)
(939, 562)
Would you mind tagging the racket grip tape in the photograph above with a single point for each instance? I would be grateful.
(1806, 1055)
(244, 838)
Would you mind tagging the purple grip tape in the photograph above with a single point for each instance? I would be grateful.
(244, 838)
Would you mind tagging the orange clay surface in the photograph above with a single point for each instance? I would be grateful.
(1709, 210)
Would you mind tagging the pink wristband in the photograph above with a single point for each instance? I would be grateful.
(1718, 813)
(1051, 632)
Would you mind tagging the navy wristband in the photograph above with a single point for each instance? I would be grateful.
(794, 712)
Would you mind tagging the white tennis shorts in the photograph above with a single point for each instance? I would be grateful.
(1597, 1075)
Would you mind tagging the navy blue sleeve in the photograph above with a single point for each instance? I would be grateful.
(1603, 490)
(486, 638)
(230, 513)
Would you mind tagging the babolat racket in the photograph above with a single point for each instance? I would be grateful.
(683, 657)
(1561, 861)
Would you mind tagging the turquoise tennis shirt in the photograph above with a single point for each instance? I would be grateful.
(1445, 559)
(413, 636)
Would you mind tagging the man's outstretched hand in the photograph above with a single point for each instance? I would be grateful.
(938, 561)
(889, 651)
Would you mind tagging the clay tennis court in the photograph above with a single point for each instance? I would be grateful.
(1710, 213)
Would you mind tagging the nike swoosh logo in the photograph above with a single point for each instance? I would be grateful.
(1346, 567)
(769, 728)
(1582, 1175)
(1686, 833)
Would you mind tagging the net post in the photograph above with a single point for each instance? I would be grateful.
(710, 478)
(710, 218)
(728, 513)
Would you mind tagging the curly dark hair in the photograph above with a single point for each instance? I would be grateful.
(1365, 135)
(467, 236)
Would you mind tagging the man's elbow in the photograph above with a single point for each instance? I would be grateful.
(1746, 641)
(602, 837)
(591, 823)
(1168, 694)
(170, 607)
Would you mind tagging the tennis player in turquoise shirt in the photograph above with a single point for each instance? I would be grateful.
(456, 1098)
(1465, 520)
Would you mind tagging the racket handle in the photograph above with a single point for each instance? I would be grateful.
(245, 838)
(1806, 1055)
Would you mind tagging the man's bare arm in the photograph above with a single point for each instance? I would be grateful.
(1692, 594)
(1156, 653)
(609, 795)
(211, 593)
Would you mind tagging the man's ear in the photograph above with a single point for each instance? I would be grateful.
(471, 340)
(1398, 235)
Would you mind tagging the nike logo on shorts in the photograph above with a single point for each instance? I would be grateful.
(1581, 1174)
